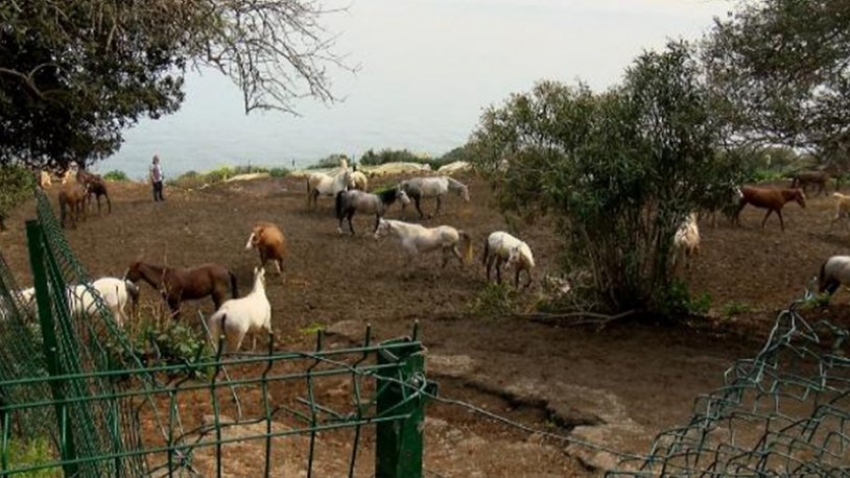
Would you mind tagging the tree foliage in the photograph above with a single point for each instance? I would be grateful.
(17, 185)
(74, 74)
(783, 66)
(619, 171)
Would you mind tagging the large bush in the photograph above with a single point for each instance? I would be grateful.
(618, 171)
(16, 185)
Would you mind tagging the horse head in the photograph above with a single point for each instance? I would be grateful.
(255, 238)
(800, 197)
(402, 196)
(133, 273)
(464, 192)
(259, 276)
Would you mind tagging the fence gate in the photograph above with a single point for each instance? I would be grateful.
(80, 397)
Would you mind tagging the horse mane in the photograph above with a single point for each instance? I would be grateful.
(454, 184)
(388, 196)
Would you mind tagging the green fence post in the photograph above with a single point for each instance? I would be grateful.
(398, 453)
(35, 245)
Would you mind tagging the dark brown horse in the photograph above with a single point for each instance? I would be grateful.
(177, 285)
(771, 199)
(817, 178)
(72, 202)
(97, 187)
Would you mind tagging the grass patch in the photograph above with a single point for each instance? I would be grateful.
(31, 453)
(494, 300)
(735, 308)
(313, 329)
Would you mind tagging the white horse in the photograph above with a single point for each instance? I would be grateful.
(417, 239)
(321, 184)
(437, 187)
(360, 181)
(501, 247)
(238, 317)
(834, 273)
(685, 242)
(114, 292)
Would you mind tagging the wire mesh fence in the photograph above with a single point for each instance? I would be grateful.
(784, 412)
(72, 379)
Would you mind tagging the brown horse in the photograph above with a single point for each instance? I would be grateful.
(72, 202)
(805, 178)
(97, 187)
(772, 199)
(177, 285)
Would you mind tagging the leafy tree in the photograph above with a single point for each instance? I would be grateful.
(74, 75)
(619, 171)
(782, 68)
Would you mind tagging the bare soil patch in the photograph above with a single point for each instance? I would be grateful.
(617, 388)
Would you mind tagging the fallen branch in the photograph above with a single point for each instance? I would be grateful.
(585, 318)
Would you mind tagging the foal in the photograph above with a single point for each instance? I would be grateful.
(771, 199)
(96, 187)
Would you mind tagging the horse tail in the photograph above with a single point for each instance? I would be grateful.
(233, 289)
(216, 327)
(339, 204)
(467, 246)
(486, 251)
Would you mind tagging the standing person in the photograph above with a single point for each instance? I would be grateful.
(156, 179)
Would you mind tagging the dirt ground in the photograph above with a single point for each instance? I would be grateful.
(616, 388)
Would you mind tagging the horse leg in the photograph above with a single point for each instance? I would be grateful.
(781, 223)
(499, 269)
(489, 265)
(108, 204)
(417, 200)
(457, 254)
(769, 211)
(351, 226)
(439, 204)
(446, 251)
(516, 278)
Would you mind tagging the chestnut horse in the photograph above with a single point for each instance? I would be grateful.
(177, 285)
(772, 199)
(72, 202)
(96, 186)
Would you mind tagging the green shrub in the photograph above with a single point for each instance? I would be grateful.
(175, 343)
(494, 300)
(16, 185)
(279, 172)
(734, 308)
(116, 175)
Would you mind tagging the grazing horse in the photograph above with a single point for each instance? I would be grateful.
(771, 199)
(349, 202)
(72, 202)
(320, 184)
(806, 178)
(834, 272)
(96, 186)
(439, 186)
(501, 247)
(842, 208)
(417, 239)
(177, 285)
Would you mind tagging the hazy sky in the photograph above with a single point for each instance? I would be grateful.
(428, 69)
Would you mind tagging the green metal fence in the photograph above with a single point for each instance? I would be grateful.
(784, 412)
(75, 383)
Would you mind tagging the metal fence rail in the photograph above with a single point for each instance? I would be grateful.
(75, 381)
